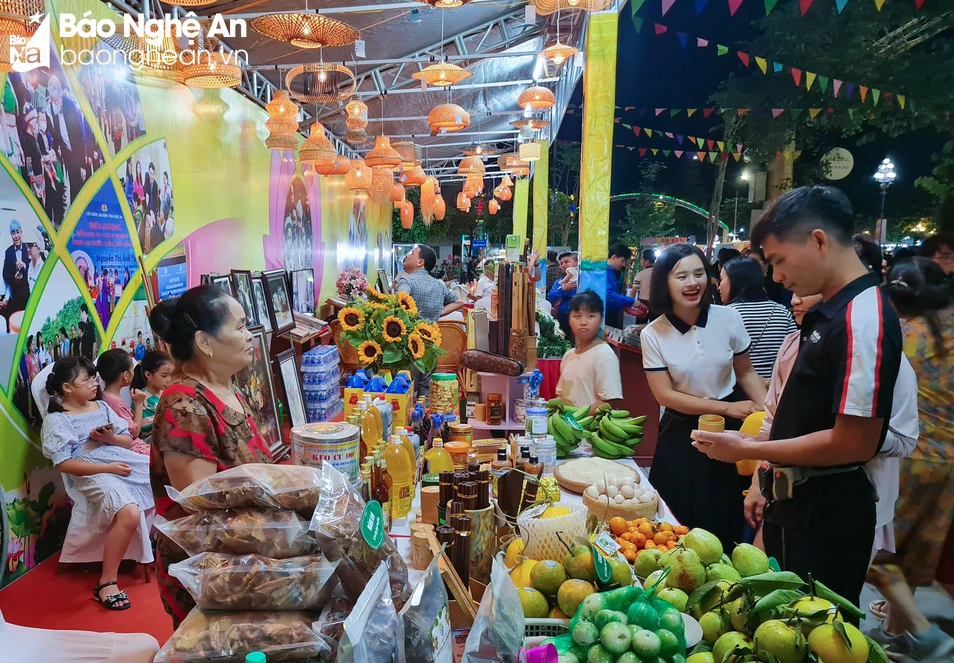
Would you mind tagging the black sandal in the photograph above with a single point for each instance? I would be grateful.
(110, 601)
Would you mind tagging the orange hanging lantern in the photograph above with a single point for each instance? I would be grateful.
(359, 176)
(462, 200)
(440, 208)
(397, 194)
(493, 206)
(407, 215)
(413, 177)
(382, 181)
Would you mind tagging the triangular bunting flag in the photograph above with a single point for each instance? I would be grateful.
(692, 139)
(700, 142)
(629, 108)
(635, 5)
(669, 134)
(642, 151)
(627, 126)
(702, 43)
(617, 120)
(738, 147)
(724, 156)
(700, 5)
(619, 146)
(701, 155)
(673, 112)
(678, 154)
(737, 155)
(721, 145)
(683, 39)
(901, 97)
(638, 23)
(804, 5)
(743, 111)
(840, 5)
(659, 111)
(691, 111)
(722, 50)
(679, 138)
(776, 112)
(734, 6)
(918, 4)
(797, 75)
(836, 85)
(875, 95)
(809, 79)
(713, 156)
(797, 154)
(660, 28)
(666, 153)
(744, 57)
(762, 63)
(636, 130)
(795, 112)
(769, 6)
(710, 144)
(777, 67)
(823, 83)
(879, 4)
(655, 151)
(888, 97)
(706, 112)
(863, 91)
(649, 132)
(667, 5)
(813, 112)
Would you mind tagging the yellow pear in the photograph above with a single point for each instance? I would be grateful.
(521, 573)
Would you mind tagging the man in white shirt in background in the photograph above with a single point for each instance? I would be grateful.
(485, 284)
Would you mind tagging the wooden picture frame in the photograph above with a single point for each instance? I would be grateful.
(383, 284)
(303, 291)
(242, 291)
(260, 302)
(287, 367)
(278, 298)
(257, 386)
(223, 281)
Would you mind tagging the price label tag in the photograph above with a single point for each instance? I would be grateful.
(372, 524)
(359, 48)
(606, 543)
(604, 572)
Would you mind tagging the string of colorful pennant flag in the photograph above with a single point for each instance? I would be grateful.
(803, 5)
(702, 143)
(701, 155)
(773, 113)
(799, 76)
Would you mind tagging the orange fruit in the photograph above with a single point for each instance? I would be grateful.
(632, 529)
(664, 527)
(625, 536)
(626, 545)
(649, 545)
(660, 539)
(617, 525)
(639, 540)
(680, 529)
(646, 530)
(630, 555)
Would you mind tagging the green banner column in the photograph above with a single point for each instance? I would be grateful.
(521, 200)
(596, 167)
(541, 204)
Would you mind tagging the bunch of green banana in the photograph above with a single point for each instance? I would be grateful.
(612, 433)
(564, 426)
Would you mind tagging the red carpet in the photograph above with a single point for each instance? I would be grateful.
(42, 599)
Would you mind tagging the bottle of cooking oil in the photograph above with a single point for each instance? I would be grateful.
(412, 458)
(376, 413)
(437, 459)
(400, 470)
(369, 431)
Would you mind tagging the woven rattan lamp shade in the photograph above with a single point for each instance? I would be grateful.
(281, 142)
(383, 155)
(428, 198)
(531, 122)
(558, 53)
(463, 202)
(212, 69)
(321, 82)
(356, 137)
(529, 152)
(359, 176)
(536, 98)
(447, 118)
(413, 177)
(480, 151)
(493, 206)
(506, 181)
(317, 151)
(471, 166)
(397, 194)
(407, 215)
(305, 29)
(547, 7)
(442, 74)
(473, 185)
(511, 163)
(410, 154)
(15, 19)
(189, 3)
(440, 208)
(382, 181)
(357, 112)
(282, 113)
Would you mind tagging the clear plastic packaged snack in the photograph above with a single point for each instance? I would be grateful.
(227, 637)
(373, 632)
(219, 581)
(268, 532)
(336, 524)
(427, 628)
(252, 485)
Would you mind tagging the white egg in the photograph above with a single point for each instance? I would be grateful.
(593, 492)
(626, 491)
(629, 502)
(603, 499)
(637, 491)
(619, 499)
(612, 481)
(628, 482)
(600, 486)
(612, 491)
(647, 497)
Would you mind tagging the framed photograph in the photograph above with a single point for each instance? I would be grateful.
(260, 302)
(255, 385)
(279, 301)
(303, 291)
(383, 282)
(287, 363)
(242, 287)
(223, 281)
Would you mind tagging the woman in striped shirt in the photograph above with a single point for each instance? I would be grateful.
(768, 323)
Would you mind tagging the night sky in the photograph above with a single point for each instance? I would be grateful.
(654, 72)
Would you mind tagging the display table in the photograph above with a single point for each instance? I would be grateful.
(638, 398)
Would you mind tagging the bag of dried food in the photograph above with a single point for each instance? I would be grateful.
(427, 628)
(330, 623)
(498, 631)
(252, 582)
(268, 532)
(336, 524)
(227, 637)
(373, 632)
(252, 485)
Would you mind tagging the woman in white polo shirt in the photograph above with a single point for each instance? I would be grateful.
(696, 360)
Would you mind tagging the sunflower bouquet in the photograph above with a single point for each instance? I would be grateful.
(387, 332)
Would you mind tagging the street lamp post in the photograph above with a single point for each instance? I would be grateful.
(735, 222)
(884, 177)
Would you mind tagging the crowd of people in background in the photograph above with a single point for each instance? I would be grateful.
(150, 201)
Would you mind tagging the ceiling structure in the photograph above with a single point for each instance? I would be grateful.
(497, 41)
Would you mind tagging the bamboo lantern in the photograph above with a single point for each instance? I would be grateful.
(407, 215)
(382, 181)
(357, 115)
(413, 177)
(536, 98)
(506, 181)
(282, 123)
(462, 200)
(397, 194)
(428, 198)
(530, 152)
(359, 176)
(440, 208)
(383, 155)
(493, 206)
(471, 166)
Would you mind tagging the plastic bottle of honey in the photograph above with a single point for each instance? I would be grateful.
(399, 468)
(438, 460)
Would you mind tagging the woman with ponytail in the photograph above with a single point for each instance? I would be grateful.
(925, 507)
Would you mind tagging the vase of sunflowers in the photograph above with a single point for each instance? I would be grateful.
(387, 333)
